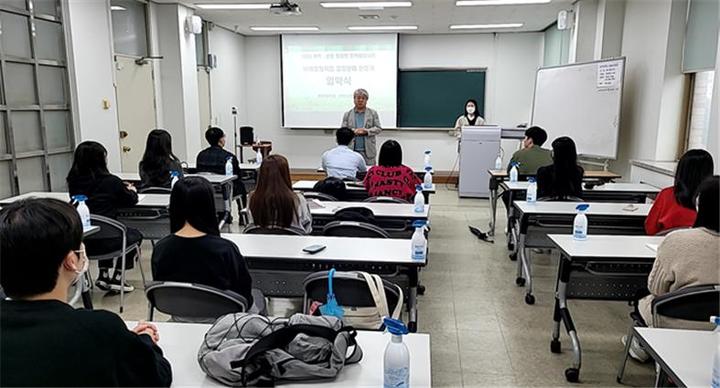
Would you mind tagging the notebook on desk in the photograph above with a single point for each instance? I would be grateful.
(652, 247)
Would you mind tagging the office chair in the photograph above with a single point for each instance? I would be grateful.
(192, 301)
(354, 229)
(385, 200)
(319, 196)
(255, 229)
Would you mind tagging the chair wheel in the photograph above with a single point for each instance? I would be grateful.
(529, 298)
(421, 290)
(513, 256)
(572, 375)
(520, 281)
(412, 327)
(619, 380)
(511, 246)
(555, 346)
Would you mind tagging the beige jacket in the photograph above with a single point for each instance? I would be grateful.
(462, 121)
(687, 257)
(372, 124)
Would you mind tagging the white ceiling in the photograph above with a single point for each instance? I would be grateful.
(431, 16)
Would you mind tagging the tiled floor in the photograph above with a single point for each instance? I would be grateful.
(482, 332)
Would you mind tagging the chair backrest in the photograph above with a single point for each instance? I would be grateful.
(256, 229)
(355, 213)
(319, 196)
(155, 190)
(350, 288)
(332, 186)
(568, 198)
(109, 229)
(385, 200)
(190, 300)
(668, 231)
(694, 303)
(353, 229)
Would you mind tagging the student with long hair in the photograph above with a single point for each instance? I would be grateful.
(685, 258)
(158, 160)
(674, 206)
(89, 176)
(563, 178)
(274, 203)
(195, 252)
(391, 178)
(45, 341)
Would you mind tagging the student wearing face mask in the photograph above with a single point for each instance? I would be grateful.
(469, 117)
(45, 341)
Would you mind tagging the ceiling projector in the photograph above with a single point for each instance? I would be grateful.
(286, 8)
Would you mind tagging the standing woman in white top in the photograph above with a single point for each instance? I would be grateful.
(469, 117)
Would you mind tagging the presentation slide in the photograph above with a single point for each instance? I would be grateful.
(320, 73)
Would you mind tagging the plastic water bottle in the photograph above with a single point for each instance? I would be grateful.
(498, 162)
(174, 177)
(418, 241)
(531, 196)
(580, 225)
(258, 157)
(396, 364)
(419, 199)
(229, 167)
(428, 163)
(514, 172)
(715, 382)
(83, 210)
(427, 179)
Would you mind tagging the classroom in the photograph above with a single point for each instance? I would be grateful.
(341, 193)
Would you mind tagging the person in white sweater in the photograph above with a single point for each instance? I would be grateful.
(686, 257)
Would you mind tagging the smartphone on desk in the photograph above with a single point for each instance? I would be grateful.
(313, 249)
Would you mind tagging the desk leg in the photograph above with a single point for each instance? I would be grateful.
(561, 312)
(525, 269)
(412, 299)
(227, 202)
(511, 239)
(493, 205)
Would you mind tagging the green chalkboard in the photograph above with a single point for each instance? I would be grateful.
(435, 98)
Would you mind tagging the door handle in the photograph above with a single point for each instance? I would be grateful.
(123, 134)
(126, 149)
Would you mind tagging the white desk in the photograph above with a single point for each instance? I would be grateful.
(684, 355)
(215, 179)
(279, 265)
(607, 187)
(387, 210)
(144, 200)
(243, 166)
(180, 343)
(534, 221)
(609, 268)
(308, 185)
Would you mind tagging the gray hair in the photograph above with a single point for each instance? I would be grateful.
(361, 92)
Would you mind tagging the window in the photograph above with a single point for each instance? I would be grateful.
(129, 27)
(36, 129)
(700, 106)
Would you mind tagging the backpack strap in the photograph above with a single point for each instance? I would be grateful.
(398, 307)
(378, 293)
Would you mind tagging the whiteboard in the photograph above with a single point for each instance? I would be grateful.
(583, 101)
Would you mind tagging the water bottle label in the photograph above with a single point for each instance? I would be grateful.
(419, 208)
(418, 252)
(579, 233)
(397, 378)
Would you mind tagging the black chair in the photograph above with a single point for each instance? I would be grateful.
(319, 196)
(192, 301)
(113, 228)
(694, 303)
(155, 190)
(350, 288)
(568, 198)
(353, 229)
(385, 200)
(255, 229)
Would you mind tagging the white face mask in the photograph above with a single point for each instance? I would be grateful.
(470, 109)
(86, 263)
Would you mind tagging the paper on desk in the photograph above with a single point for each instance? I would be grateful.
(652, 247)
(141, 197)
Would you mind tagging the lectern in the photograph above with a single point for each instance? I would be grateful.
(479, 147)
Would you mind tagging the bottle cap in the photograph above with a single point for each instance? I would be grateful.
(395, 326)
(418, 224)
(80, 197)
(716, 320)
(582, 207)
(428, 152)
(428, 168)
(531, 180)
(418, 188)
(174, 173)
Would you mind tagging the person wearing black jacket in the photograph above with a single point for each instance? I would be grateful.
(106, 193)
(213, 159)
(45, 341)
(563, 178)
(195, 252)
(158, 161)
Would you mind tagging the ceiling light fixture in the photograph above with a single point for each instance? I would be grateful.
(381, 28)
(117, 8)
(246, 6)
(367, 4)
(468, 3)
(288, 29)
(484, 26)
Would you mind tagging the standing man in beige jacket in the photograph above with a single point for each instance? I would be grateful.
(365, 122)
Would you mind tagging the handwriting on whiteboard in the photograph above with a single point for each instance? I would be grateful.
(608, 75)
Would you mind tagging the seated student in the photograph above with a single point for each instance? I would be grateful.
(106, 193)
(674, 206)
(273, 203)
(563, 178)
(213, 159)
(45, 341)
(342, 162)
(686, 258)
(391, 178)
(532, 156)
(195, 252)
(158, 160)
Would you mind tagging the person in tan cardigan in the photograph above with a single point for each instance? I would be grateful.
(686, 257)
